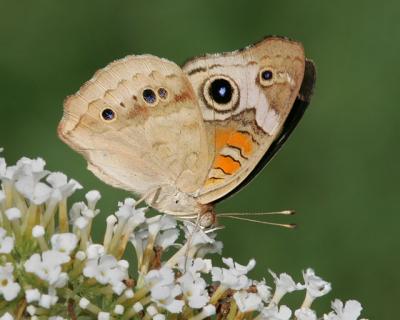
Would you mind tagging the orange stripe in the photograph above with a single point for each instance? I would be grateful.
(227, 164)
(228, 136)
(241, 141)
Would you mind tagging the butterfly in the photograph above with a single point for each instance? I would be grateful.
(185, 138)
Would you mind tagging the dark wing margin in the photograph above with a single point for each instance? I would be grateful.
(299, 107)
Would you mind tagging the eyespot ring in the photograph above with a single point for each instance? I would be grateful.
(162, 93)
(107, 114)
(149, 96)
(221, 93)
(266, 76)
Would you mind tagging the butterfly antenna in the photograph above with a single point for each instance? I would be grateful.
(239, 214)
(243, 216)
(289, 225)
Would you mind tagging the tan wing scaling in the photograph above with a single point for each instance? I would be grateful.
(245, 97)
(138, 124)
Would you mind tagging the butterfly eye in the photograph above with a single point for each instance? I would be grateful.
(162, 93)
(266, 75)
(108, 114)
(149, 96)
(221, 93)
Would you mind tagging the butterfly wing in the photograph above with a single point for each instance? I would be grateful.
(246, 97)
(138, 124)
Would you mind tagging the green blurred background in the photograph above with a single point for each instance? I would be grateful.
(339, 170)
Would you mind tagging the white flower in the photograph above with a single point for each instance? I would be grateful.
(316, 286)
(56, 318)
(24, 167)
(196, 235)
(36, 192)
(13, 214)
(106, 270)
(247, 301)
(119, 309)
(163, 289)
(46, 301)
(6, 243)
(127, 210)
(76, 210)
(84, 303)
(263, 290)
(159, 278)
(305, 314)
(210, 248)
(32, 295)
(62, 188)
(157, 223)
(92, 197)
(137, 307)
(235, 277)
(170, 303)
(194, 266)
(350, 311)
(95, 251)
(275, 313)
(208, 311)
(27, 174)
(167, 238)
(47, 267)
(64, 242)
(6, 316)
(284, 284)
(151, 310)
(31, 310)
(194, 289)
(8, 288)
(81, 223)
(38, 231)
(103, 316)
(139, 241)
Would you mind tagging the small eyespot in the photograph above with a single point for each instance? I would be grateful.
(149, 96)
(162, 93)
(266, 76)
(108, 114)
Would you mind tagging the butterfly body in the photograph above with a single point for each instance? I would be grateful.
(183, 138)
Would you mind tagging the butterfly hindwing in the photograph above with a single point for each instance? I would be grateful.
(246, 97)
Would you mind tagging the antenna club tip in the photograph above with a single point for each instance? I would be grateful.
(293, 226)
(289, 212)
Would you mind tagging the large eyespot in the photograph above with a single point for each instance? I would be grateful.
(108, 114)
(162, 93)
(149, 96)
(266, 77)
(221, 93)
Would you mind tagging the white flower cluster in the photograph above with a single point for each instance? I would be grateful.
(50, 268)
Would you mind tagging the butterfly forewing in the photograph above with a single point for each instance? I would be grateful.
(138, 124)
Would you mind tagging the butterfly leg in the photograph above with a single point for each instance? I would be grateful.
(155, 192)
